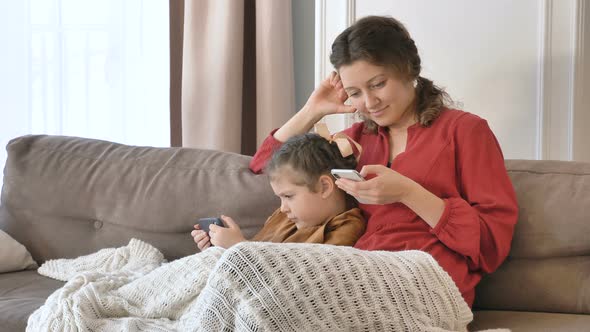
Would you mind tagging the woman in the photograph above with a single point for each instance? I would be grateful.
(436, 179)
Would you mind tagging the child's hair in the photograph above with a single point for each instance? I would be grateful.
(310, 156)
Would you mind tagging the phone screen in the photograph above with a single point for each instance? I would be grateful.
(204, 223)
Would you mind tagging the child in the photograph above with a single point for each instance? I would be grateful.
(313, 209)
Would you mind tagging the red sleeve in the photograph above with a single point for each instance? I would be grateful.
(480, 224)
(264, 153)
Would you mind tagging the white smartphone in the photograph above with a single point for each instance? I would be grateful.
(350, 174)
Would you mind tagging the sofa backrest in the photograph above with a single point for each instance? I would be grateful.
(548, 268)
(66, 196)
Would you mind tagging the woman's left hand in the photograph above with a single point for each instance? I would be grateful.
(226, 237)
(388, 186)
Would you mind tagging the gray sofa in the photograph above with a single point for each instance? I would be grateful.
(66, 197)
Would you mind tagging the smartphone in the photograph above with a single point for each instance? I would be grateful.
(204, 223)
(349, 174)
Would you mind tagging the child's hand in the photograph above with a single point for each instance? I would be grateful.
(226, 237)
(201, 238)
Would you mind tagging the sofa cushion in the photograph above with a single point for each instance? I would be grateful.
(529, 321)
(548, 268)
(21, 293)
(552, 199)
(557, 284)
(80, 195)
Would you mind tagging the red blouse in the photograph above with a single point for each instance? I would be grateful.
(459, 160)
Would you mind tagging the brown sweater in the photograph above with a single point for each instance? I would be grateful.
(343, 230)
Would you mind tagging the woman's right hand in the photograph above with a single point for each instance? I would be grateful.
(201, 238)
(329, 97)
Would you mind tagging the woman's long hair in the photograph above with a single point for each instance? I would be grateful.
(384, 41)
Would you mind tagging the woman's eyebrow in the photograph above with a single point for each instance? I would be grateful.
(378, 76)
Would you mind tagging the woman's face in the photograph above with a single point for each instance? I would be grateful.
(378, 94)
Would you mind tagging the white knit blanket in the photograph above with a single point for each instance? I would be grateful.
(251, 287)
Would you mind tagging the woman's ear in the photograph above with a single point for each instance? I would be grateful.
(327, 185)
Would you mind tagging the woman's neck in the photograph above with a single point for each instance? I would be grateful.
(408, 118)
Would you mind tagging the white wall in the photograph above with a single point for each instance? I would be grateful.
(515, 63)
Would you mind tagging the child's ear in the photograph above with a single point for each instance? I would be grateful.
(326, 185)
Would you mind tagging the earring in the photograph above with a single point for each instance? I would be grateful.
(415, 83)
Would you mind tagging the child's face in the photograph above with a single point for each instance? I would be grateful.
(299, 203)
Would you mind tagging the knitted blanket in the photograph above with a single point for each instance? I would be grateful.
(253, 286)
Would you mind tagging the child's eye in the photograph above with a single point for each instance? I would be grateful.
(353, 95)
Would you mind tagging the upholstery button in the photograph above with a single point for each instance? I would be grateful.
(97, 224)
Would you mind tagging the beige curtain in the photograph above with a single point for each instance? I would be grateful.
(237, 73)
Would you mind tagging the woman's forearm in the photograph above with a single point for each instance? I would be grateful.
(300, 123)
(425, 204)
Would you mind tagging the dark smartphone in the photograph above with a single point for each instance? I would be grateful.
(204, 223)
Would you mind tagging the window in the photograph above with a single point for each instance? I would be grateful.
(89, 68)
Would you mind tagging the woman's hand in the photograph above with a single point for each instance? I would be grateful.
(388, 186)
(226, 237)
(328, 98)
(201, 238)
